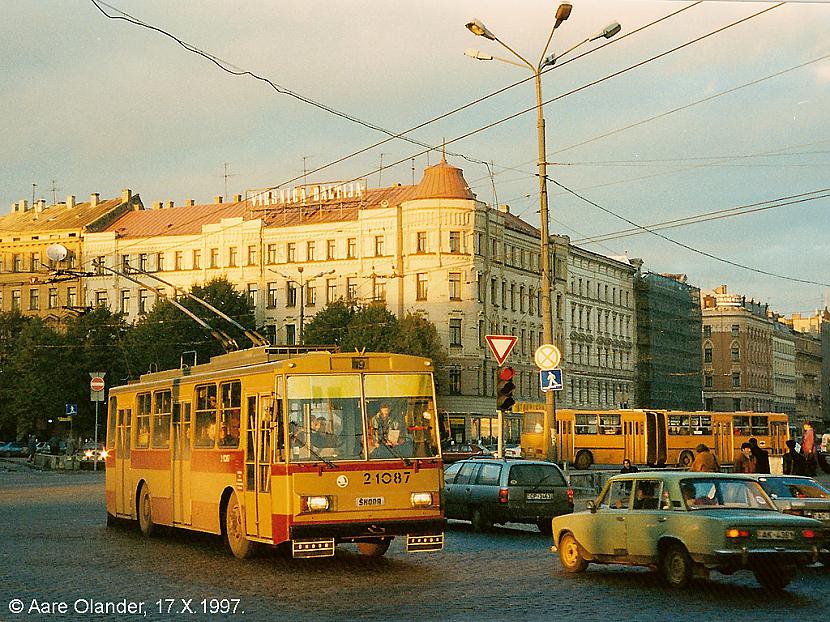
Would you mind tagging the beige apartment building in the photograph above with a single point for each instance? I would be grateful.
(432, 248)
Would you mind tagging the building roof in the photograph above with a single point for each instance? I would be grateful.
(443, 181)
(62, 216)
(183, 220)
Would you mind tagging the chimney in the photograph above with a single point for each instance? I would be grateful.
(70, 201)
(94, 199)
(237, 198)
(190, 202)
(24, 205)
(170, 203)
(505, 208)
(217, 199)
(15, 207)
(158, 205)
(39, 205)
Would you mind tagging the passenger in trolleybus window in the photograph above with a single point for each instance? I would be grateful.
(388, 434)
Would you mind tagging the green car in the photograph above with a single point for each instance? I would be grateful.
(686, 524)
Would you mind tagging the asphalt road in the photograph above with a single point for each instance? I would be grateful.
(57, 552)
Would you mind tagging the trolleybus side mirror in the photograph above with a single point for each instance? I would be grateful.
(592, 506)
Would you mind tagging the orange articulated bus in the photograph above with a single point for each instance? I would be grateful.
(305, 451)
(651, 437)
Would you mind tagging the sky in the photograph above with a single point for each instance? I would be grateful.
(637, 127)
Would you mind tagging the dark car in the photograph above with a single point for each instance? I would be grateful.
(801, 496)
(14, 449)
(506, 491)
(454, 453)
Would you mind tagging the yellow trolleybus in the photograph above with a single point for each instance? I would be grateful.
(262, 447)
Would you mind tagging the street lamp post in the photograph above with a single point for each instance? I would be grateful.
(302, 283)
(479, 29)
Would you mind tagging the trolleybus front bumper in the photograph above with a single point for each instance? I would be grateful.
(318, 539)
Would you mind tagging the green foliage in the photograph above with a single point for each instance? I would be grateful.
(328, 326)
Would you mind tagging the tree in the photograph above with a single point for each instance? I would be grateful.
(373, 327)
(11, 327)
(418, 336)
(328, 326)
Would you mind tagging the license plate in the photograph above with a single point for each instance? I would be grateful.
(821, 515)
(774, 534)
(538, 496)
(369, 502)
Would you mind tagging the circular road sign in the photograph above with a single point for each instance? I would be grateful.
(547, 357)
(97, 384)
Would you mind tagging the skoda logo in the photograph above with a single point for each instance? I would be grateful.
(342, 481)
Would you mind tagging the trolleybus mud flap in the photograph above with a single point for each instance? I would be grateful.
(312, 548)
(421, 544)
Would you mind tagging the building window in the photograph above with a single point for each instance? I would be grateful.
(493, 291)
(329, 249)
(351, 289)
(252, 294)
(707, 332)
(421, 242)
(159, 262)
(272, 295)
(290, 294)
(707, 354)
(125, 262)
(455, 333)
(736, 353)
(125, 302)
(351, 248)
(310, 295)
(53, 298)
(480, 288)
(331, 290)
(736, 404)
(71, 296)
(455, 241)
(143, 298)
(99, 264)
(455, 286)
(512, 297)
(231, 257)
(291, 252)
(214, 258)
(272, 253)
(15, 300)
(197, 260)
(17, 262)
(251, 255)
(379, 289)
(35, 262)
(142, 262)
(707, 380)
(736, 329)
(455, 380)
(34, 300)
(421, 284)
(178, 260)
(290, 334)
(521, 299)
(101, 298)
(310, 247)
(378, 246)
(736, 379)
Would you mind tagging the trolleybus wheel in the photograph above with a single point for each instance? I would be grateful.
(686, 459)
(584, 460)
(374, 549)
(235, 537)
(145, 511)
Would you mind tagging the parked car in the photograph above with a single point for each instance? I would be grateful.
(801, 496)
(14, 449)
(502, 491)
(92, 452)
(688, 524)
(511, 450)
(454, 453)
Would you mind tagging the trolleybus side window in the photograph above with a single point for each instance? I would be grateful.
(585, 424)
(206, 416)
(162, 410)
(740, 425)
(230, 414)
(610, 424)
(142, 421)
(111, 423)
(678, 425)
(266, 435)
(760, 425)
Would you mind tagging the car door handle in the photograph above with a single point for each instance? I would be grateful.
(621, 519)
(662, 519)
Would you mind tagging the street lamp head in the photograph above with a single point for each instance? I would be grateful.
(550, 60)
(480, 30)
(609, 31)
(562, 13)
(477, 55)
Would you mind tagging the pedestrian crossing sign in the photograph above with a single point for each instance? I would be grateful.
(550, 380)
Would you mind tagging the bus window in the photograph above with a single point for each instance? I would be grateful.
(230, 414)
(585, 424)
(402, 416)
(678, 425)
(740, 425)
(324, 417)
(142, 421)
(760, 425)
(161, 419)
(702, 425)
(533, 423)
(206, 416)
(111, 423)
(610, 424)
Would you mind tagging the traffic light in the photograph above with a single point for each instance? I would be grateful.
(504, 389)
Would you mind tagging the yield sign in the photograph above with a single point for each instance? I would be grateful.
(501, 345)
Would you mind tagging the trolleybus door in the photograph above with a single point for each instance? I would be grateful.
(778, 437)
(724, 447)
(632, 438)
(564, 440)
(655, 438)
(181, 463)
(258, 505)
(122, 457)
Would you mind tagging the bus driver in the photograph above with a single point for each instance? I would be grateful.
(386, 429)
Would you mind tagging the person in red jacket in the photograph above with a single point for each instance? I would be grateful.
(745, 463)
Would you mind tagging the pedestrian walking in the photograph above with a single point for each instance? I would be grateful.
(761, 457)
(627, 467)
(793, 462)
(809, 448)
(32, 447)
(745, 462)
(705, 460)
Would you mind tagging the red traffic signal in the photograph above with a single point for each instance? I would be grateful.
(504, 389)
(506, 373)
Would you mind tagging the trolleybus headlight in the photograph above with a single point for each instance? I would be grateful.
(421, 499)
(314, 504)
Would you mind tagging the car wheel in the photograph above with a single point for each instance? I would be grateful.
(374, 549)
(235, 537)
(545, 525)
(676, 566)
(480, 523)
(583, 461)
(145, 511)
(686, 459)
(774, 577)
(570, 554)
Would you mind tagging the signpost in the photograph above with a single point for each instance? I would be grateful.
(550, 379)
(96, 394)
(547, 358)
(501, 346)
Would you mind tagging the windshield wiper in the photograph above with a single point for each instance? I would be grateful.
(396, 453)
(539, 483)
(313, 451)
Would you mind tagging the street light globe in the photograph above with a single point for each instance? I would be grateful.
(479, 29)
(609, 31)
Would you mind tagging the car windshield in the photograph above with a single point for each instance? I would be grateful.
(535, 475)
(707, 494)
(793, 488)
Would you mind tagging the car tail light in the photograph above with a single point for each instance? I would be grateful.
(504, 495)
(794, 512)
(571, 496)
(737, 533)
(809, 533)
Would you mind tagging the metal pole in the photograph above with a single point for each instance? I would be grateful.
(500, 446)
(302, 303)
(95, 440)
(547, 318)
